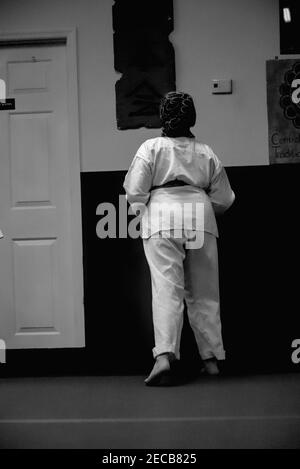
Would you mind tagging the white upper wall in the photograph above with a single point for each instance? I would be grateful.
(212, 39)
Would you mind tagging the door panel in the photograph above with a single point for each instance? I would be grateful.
(30, 157)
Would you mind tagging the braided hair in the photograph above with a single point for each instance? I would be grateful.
(177, 114)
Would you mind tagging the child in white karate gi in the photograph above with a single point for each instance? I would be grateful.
(175, 171)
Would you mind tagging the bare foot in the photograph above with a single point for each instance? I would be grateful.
(161, 366)
(211, 367)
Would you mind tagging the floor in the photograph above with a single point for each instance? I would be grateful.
(121, 412)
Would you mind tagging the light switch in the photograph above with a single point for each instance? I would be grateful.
(221, 86)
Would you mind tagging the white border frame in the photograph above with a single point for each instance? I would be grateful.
(70, 34)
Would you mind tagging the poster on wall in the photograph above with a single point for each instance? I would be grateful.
(145, 58)
(283, 99)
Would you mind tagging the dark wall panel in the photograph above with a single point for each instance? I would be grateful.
(259, 256)
(145, 57)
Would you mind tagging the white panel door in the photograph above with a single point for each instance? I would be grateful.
(40, 268)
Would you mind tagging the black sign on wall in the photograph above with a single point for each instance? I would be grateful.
(7, 105)
(145, 57)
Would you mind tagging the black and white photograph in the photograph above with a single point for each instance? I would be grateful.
(149, 240)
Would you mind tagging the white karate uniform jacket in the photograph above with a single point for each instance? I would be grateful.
(163, 159)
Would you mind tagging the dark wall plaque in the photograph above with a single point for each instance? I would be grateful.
(145, 57)
(7, 104)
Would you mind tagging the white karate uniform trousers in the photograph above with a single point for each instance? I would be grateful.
(179, 274)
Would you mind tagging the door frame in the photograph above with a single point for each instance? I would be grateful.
(70, 36)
